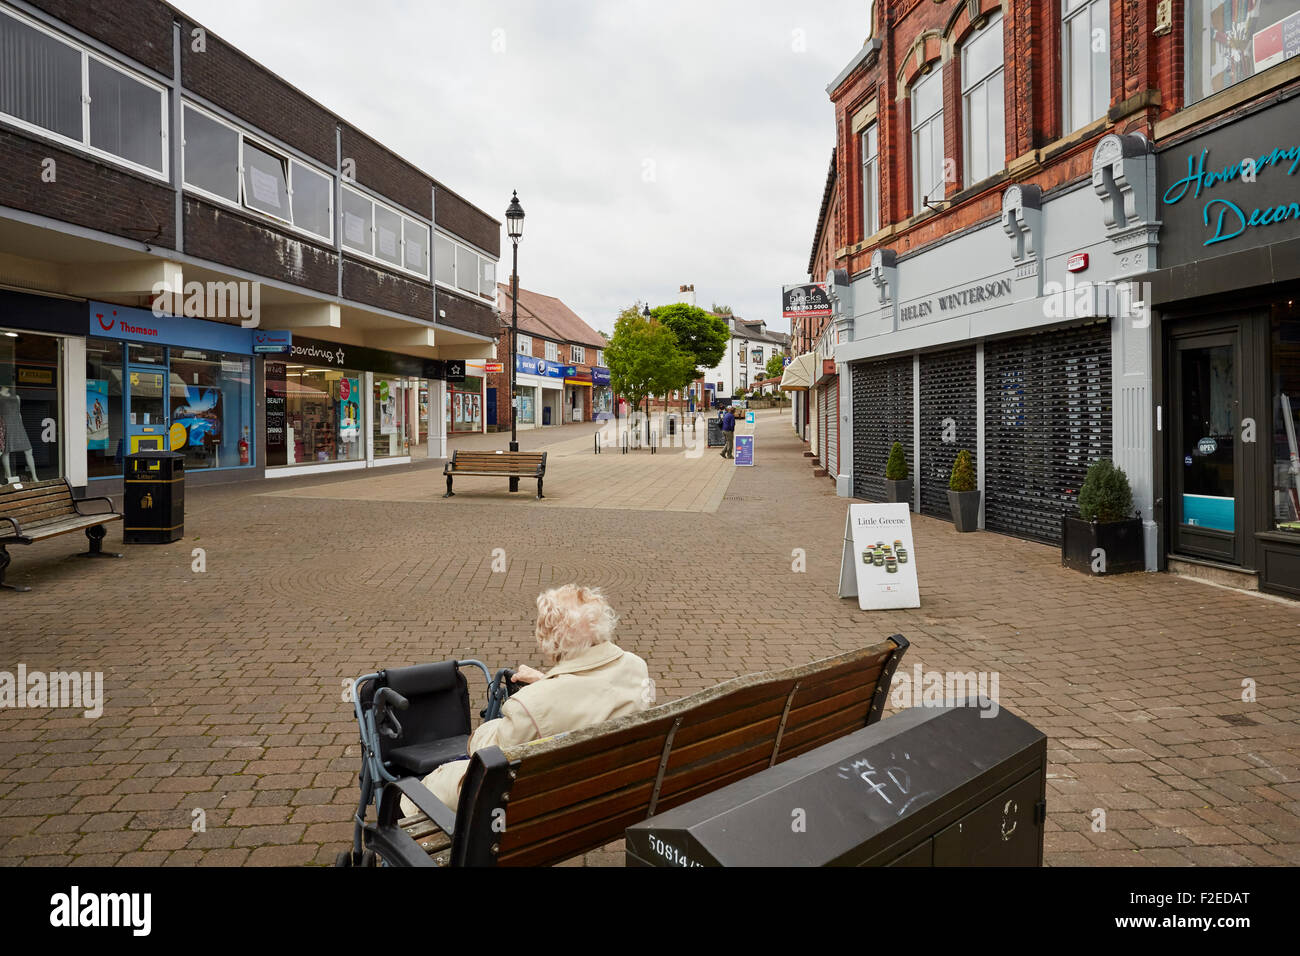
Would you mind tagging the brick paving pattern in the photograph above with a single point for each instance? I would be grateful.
(224, 689)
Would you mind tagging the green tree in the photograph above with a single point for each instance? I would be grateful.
(776, 366)
(702, 336)
(722, 309)
(644, 359)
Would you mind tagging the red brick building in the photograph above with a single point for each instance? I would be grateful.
(1015, 270)
(560, 373)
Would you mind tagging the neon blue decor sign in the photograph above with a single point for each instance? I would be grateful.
(1227, 218)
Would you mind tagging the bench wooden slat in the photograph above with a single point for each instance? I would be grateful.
(47, 509)
(576, 792)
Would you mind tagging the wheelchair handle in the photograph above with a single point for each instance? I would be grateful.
(386, 695)
(388, 724)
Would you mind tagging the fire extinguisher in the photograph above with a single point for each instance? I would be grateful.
(243, 448)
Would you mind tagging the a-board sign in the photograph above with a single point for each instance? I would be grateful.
(749, 418)
(878, 565)
(715, 433)
(744, 449)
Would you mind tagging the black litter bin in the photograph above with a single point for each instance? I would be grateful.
(931, 786)
(154, 487)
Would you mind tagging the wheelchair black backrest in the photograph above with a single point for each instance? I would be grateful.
(439, 698)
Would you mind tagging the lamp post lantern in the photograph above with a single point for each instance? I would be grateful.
(515, 228)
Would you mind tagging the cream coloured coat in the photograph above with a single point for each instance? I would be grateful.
(600, 683)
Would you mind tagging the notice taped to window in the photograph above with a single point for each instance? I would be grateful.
(879, 563)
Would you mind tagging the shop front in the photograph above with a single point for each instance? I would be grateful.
(827, 400)
(578, 395)
(1015, 340)
(540, 389)
(172, 383)
(465, 399)
(38, 339)
(331, 406)
(602, 394)
(1227, 302)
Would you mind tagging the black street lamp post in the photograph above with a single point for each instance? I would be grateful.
(515, 227)
(646, 313)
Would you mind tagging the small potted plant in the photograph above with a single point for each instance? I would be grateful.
(898, 486)
(1106, 537)
(963, 496)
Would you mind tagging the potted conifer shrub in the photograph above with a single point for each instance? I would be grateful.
(1106, 537)
(963, 496)
(898, 486)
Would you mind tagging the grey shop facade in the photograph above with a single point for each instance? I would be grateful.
(1015, 339)
(1226, 300)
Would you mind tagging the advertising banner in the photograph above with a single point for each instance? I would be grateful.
(277, 421)
(809, 299)
(97, 414)
(878, 564)
(744, 450)
(349, 409)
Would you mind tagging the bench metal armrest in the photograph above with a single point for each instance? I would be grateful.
(77, 503)
(18, 530)
(437, 811)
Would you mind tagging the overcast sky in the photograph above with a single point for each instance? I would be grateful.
(653, 144)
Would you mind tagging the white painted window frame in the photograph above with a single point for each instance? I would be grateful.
(83, 145)
(1067, 66)
(265, 147)
(489, 294)
(996, 20)
(401, 252)
(935, 75)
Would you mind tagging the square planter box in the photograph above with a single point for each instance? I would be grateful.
(1120, 541)
(965, 508)
(899, 490)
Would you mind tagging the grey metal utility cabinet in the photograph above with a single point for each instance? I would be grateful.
(931, 786)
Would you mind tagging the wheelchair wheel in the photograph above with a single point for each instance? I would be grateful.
(369, 858)
(344, 859)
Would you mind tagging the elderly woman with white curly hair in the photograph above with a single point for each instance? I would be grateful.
(592, 680)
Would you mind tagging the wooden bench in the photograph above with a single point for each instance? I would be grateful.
(497, 464)
(34, 511)
(562, 796)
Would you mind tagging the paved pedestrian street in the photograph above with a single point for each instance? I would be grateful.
(225, 738)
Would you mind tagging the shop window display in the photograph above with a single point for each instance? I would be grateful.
(210, 395)
(390, 418)
(1232, 40)
(322, 410)
(527, 412)
(104, 433)
(465, 405)
(1285, 387)
(30, 421)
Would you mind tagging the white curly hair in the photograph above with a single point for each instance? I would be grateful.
(572, 618)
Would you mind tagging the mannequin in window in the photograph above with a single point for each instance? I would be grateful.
(13, 435)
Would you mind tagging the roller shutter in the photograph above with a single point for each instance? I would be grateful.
(882, 415)
(833, 426)
(948, 423)
(1047, 418)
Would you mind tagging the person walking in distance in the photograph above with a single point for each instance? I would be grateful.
(728, 432)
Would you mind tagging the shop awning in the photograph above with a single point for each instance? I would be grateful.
(798, 375)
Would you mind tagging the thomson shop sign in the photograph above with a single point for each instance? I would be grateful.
(808, 300)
